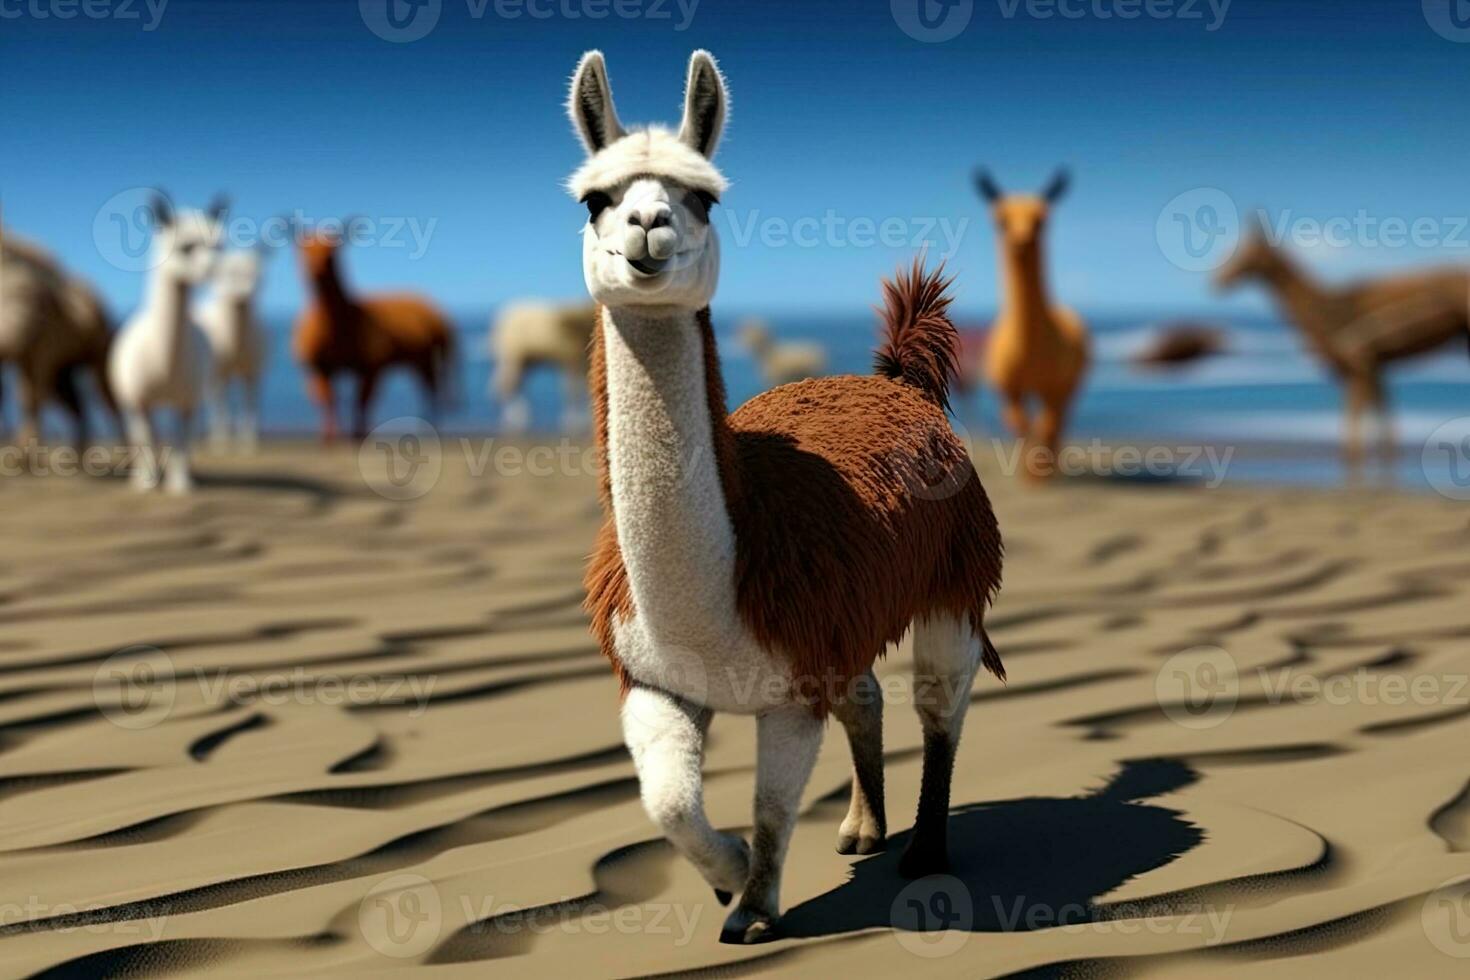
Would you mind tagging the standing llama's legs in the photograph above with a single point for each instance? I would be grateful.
(219, 413)
(326, 400)
(177, 475)
(665, 736)
(367, 386)
(71, 399)
(248, 431)
(864, 828)
(787, 740)
(1352, 450)
(145, 464)
(946, 653)
(1049, 424)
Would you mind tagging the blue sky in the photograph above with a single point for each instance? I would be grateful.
(841, 122)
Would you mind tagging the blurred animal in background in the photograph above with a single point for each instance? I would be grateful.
(1175, 345)
(781, 361)
(237, 347)
(531, 333)
(160, 360)
(1360, 328)
(342, 333)
(1038, 349)
(54, 328)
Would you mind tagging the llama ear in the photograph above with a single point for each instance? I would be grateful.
(705, 104)
(163, 212)
(1056, 188)
(986, 185)
(218, 207)
(590, 104)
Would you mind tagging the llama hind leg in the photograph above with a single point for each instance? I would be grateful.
(144, 466)
(665, 736)
(787, 741)
(946, 654)
(865, 827)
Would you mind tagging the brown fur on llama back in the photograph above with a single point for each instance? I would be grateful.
(855, 508)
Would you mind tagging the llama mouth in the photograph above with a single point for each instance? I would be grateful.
(648, 267)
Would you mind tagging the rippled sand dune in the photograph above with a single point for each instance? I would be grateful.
(289, 726)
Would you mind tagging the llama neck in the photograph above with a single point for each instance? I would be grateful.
(168, 306)
(1302, 300)
(667, 476)
(1023, 270)
(331, 292)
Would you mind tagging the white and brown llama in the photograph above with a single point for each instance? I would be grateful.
(759, 562)
(160, 360)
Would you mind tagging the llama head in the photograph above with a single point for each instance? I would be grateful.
(1254, 258)
(648, 191)
(319, 246)
(186, 243)
(1021, 218)
(237, 273)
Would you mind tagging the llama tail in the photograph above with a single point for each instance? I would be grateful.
(920, 345)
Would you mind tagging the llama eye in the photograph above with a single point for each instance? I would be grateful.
(596, 203)
(700, 202)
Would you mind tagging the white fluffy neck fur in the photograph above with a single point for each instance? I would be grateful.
(669, 505)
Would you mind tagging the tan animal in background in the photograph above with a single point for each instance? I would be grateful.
(528, 333)
(1038, 349)
(1359, 329)
(54, 328)
(782, 361)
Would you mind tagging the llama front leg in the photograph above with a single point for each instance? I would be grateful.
(144, 468)
(865, 827)
(946, 654)
(787, 743)
(248, 431)
(178, 477)
(219, 414)
(320, 385)
(665, 736)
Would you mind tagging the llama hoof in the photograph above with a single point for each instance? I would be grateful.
(745, 927)
(723, 897)
(859, 844)
(920, 862)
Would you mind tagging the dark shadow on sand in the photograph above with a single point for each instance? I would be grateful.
(1017, 865)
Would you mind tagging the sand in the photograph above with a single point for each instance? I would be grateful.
(288, 726)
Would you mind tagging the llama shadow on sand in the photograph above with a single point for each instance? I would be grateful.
(1017, 865)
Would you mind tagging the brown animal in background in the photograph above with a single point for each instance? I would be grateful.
(1038, 349)
(55, 329)
(339, 333)
(1359, 329)
(1179, 344)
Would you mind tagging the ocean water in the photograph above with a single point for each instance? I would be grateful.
(1266, 396)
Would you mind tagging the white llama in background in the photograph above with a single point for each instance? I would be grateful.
(782, 361)
(531, 332)
(237, 347)
(160, 359)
